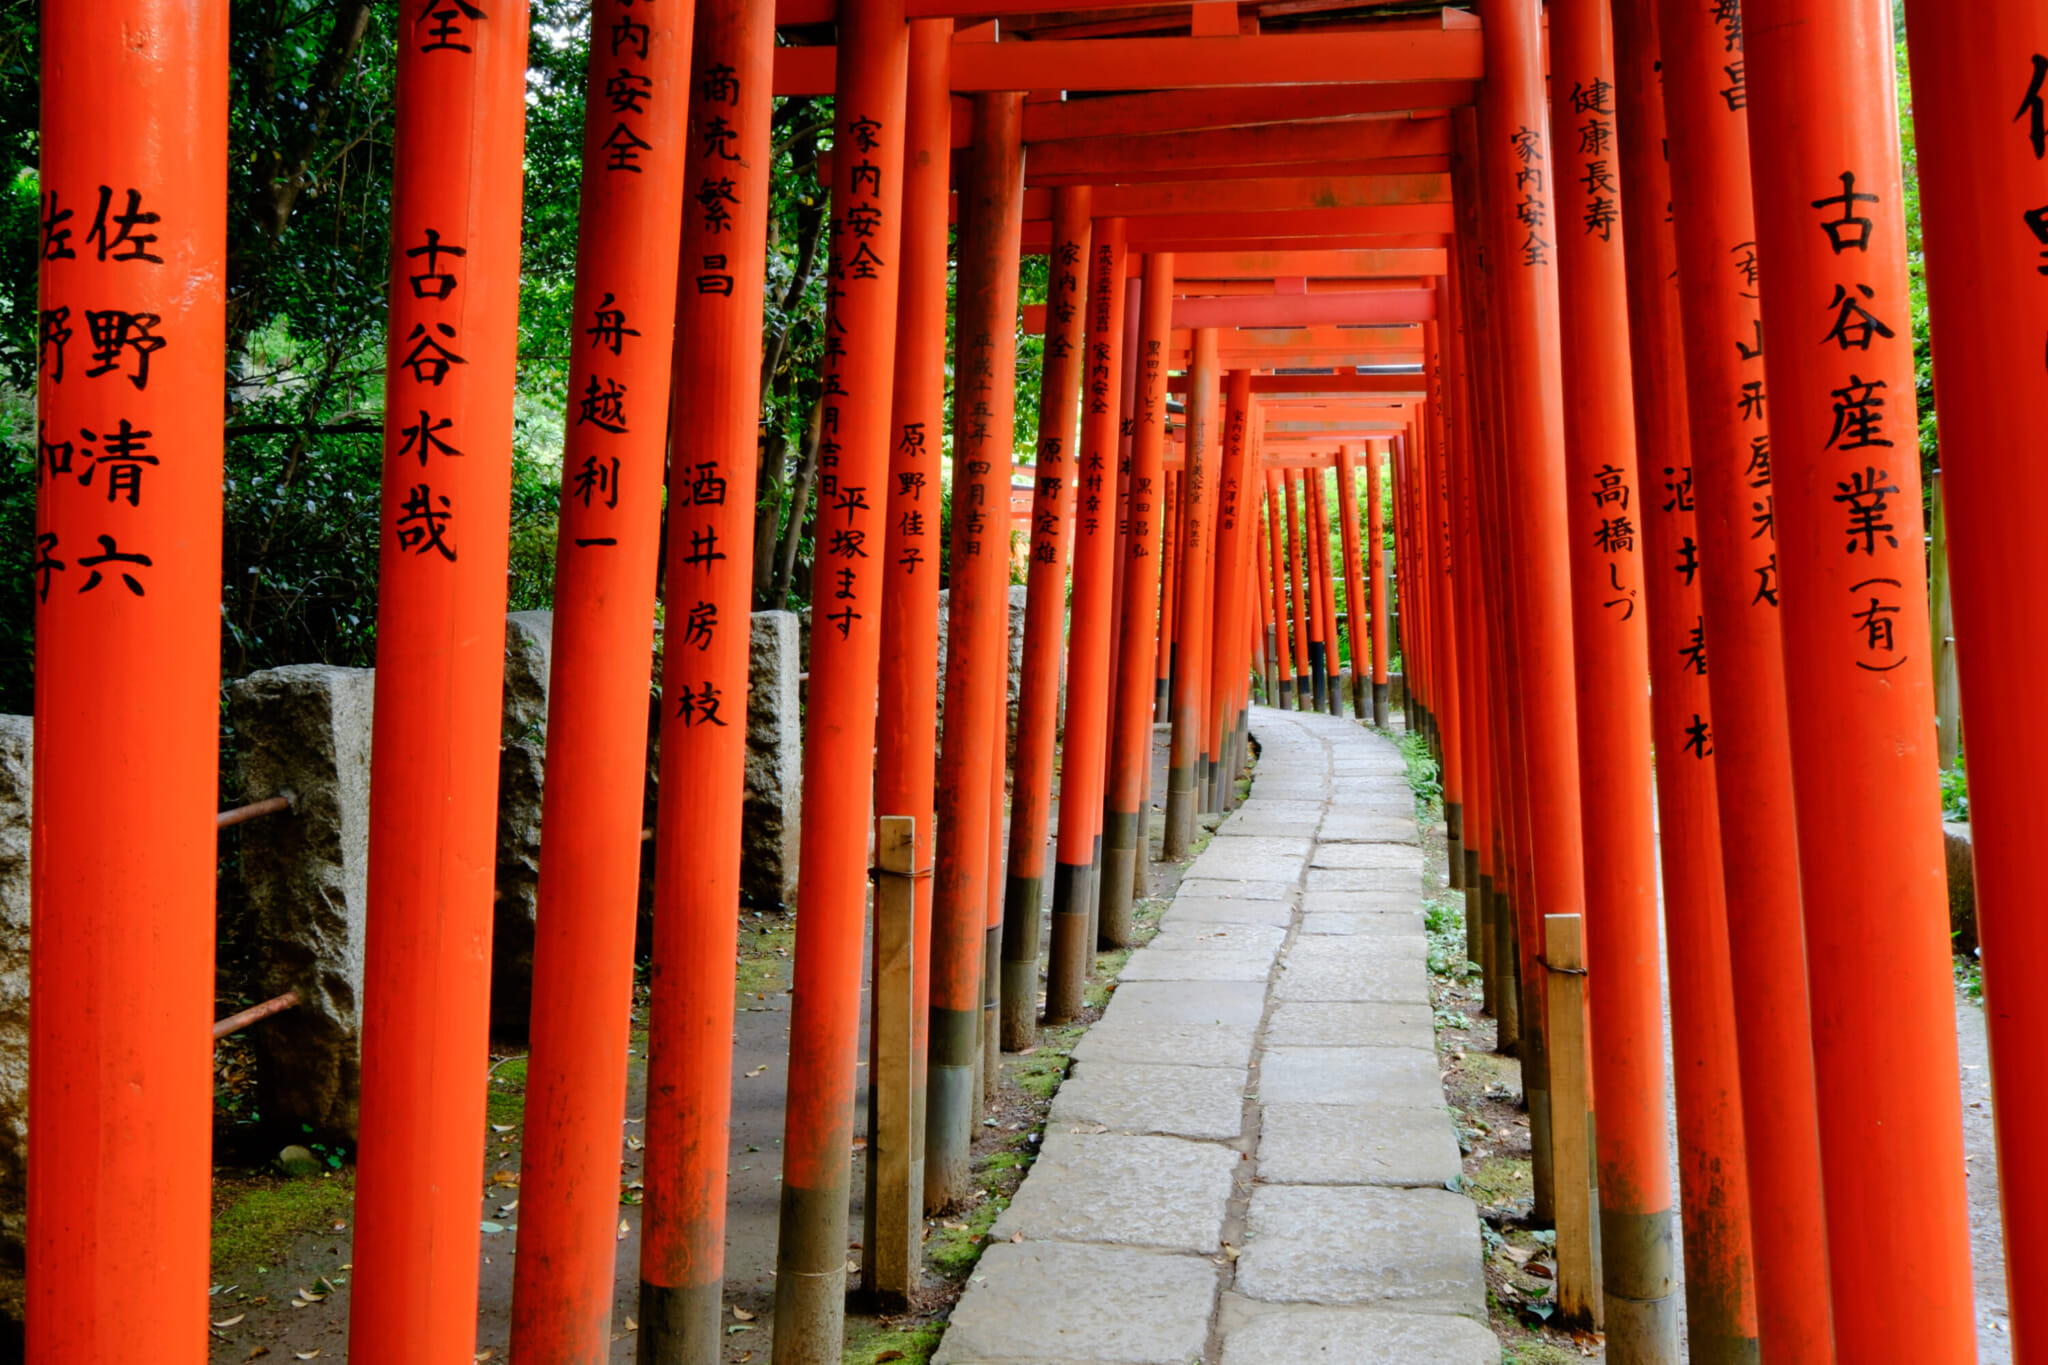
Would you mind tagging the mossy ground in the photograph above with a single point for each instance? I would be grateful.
(255, 1222)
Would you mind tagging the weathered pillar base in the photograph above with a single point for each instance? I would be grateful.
(1304, 691)
(1536, 1092)
(1454, 844)
(681, 1325)
(1117, 897)
(1094, 937)
(1180, 813)
(1283, 694)
(991, 1008)
(1638, 1286)
(1379, 704)
(1507, 978)
(1489, 911)
(810, 1274)
(1066, 975)
(952, 1094)
(1318, 672)
(1022, 897)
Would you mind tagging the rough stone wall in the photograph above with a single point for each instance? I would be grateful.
(522, 759)
(306, 730)
(772, 819)
(17, 773)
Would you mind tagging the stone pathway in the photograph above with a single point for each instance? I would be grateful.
(1249, 1163)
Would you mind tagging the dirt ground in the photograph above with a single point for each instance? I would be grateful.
(282, 1291)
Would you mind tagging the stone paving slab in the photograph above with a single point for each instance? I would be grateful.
(1362, 879)
(1134, 1039)
(1400, 1077)
(1355, 1336)
(1408, 899)
(1405, 857)
(1223, 963)
(1177, 1101)
(1179, 935)
(1278, 912)
(1350, 826)
(1269, 888)
(1357, 1144)
(1226, 1002)
(1391, 924)
(1251, 857)
(1114, 1306)
(1326, 968)
(1124, 1191)
(1413, 1249)
(1341, 1024)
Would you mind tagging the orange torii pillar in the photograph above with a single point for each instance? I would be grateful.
(1197, 563)
(1279, 652)
(1831, 241)
(440, 676)
(1414, 667)
(127, 682)
(625, 321)
(1714, 1202)
(1639, 1264)
(1297, 543)
(1268, 638)
(1130, 759)
(1376, 575)
(1082, 766)
(1983, 172)
(1232, 593)
(1513, 142)
(1169, 576)
(976, 653)
(1314, 529)
(906, 737)
(1326, 587)
(1746, 733)
(1438, 423)
(1125, 389)
(1356, 632)
(1044, 616)
(839, 733)
(989, 1030)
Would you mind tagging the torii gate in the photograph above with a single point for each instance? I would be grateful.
(1381, 196)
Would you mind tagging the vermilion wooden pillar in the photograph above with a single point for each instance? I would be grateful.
(440, 678)
(1088, 679)
(1639, 1263)
(1714, 1202)
(1197, 563)
(1514, 140)
(1169, 566)
(839, 720)
(1326, 591)
(1313, 526)
(976, 653)
(1858, 675)
(1052, 519)
(1746, 734)
(1354, 580)
(906, 739)
(1234, 478)
(1276, 556)
(1268, 631)
(1297, 545)
(1376, 577)
(126, 570)
(1123, 833)
(1470, 608)
(1439, 426)
(1985, 170)
(589, 895)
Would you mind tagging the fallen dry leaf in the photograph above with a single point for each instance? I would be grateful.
(230, 1322)
(632, 1323)
(757, 1070)
(888, 1355)
(306, 1355)
(742, 1314)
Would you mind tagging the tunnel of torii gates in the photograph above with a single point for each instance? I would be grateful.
(1284, 235)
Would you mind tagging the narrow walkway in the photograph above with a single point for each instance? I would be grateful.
(1248, 1165)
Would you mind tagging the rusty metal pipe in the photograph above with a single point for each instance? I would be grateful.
(267, 806)
(277, 1004)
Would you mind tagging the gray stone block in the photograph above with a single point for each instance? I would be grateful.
(1407, 900)
(1249, 963)
(771, 820)
(1355, 1144)
(306, 729)
(1179, 935)
(1413, 1249)
(1195, 887)
(1171, 1002)
(1350, 826)
(1391, 924)
(17, 791)
(1403, 857)
(1125, 1191)
(1350, 1024)
(1177, 1101)
(1244, 910)
(1396, 1076)
(1358, 1336)
(1359, 968)
(1133, 1037)
(1052, 1303)
(1252, 858)
(1364, 878)
(522, 766)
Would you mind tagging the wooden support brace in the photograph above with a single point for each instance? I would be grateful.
(894, 1239)
(1571, 1123)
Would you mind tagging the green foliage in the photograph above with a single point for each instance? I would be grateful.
(260, 1225)
(1955, 792)
(1424, 777)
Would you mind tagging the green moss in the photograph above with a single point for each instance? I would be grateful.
(1539, 1353)
(910, 1345)
(260, 1226)
(767, 946)
(1501, 1179)
(952, 1251)
(505, 1100)
(1040, 1074)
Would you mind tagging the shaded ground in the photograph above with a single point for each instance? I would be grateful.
(281, 1274)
